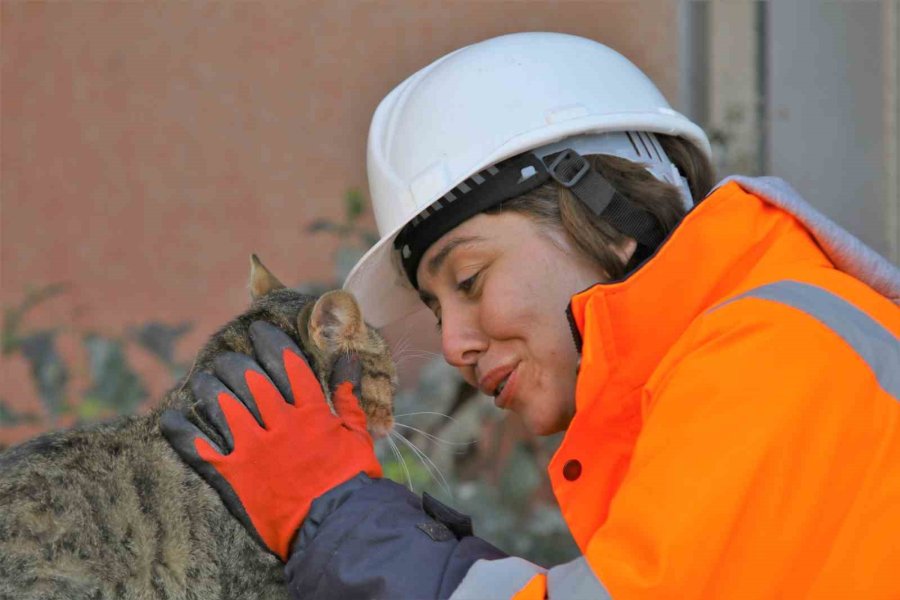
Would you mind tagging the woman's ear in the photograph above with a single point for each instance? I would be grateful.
(626, 249)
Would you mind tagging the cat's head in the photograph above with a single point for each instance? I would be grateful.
(332, 325)
(323, 327)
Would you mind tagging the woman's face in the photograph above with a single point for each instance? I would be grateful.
(499, 285)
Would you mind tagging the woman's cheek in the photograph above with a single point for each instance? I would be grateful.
(498, 309)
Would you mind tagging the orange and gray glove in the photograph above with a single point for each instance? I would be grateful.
(282, 445)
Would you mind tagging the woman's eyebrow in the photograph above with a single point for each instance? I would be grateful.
(438, 259)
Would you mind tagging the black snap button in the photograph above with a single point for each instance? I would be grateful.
(572, 470)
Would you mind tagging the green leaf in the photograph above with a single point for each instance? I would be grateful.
(11, 338)
(91, 409)
(354, 204)
(114, 384)
(9, 416)
(47, 369)
(321, 225)
(159, 339)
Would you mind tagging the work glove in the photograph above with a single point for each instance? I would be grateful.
(282, 445)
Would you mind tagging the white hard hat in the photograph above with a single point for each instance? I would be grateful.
(454, 121)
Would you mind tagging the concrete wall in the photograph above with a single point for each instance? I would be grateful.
(828, 127)
(806, 90)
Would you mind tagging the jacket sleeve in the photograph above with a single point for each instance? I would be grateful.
(373, 538)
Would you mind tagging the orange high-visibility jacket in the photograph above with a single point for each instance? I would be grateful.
(737, 426)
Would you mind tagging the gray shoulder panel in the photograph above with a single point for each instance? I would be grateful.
(503, 578)
(877, 346)
(847, 252)
(500, 579)
(573, 581)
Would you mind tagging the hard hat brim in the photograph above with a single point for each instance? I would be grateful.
(381, 288)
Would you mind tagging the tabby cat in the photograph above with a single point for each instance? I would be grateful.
(109, 510)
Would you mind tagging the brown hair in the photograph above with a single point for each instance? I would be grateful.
(555, 206)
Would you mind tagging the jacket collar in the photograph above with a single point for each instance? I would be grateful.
(715, 253)
(728, 244)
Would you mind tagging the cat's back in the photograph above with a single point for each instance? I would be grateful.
(109, 511)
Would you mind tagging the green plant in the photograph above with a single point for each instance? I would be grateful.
(114, 387)
(354, 238)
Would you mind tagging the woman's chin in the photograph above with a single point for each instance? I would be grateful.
(545, 424)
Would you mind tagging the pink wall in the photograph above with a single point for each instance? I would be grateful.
(148, 149)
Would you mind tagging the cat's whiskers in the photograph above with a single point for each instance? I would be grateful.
(398, 352)
(427, 463)
(402, 344)
(401, 460)
(402, 350)
(402, 361)
(431, 436)
(425, 412)
(414, 353)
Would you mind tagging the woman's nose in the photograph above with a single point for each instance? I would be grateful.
(462, 341)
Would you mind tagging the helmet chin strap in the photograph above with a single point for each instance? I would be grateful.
(573, 172)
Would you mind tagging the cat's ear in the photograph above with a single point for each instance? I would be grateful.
(335, 320)
(261, 279)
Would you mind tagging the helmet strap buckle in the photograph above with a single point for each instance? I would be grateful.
(574, 172)
(574, 168)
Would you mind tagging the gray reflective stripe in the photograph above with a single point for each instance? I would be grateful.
(488, 579)
(573, 581)
(877, 346)
(501, 579)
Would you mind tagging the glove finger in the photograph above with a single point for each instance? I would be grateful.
(347, 367)
(232, 368)
(346, 404)
(305, 385)
(269, 344)
(207, 389)
(183, 435)
(284, 361)
(192, 446)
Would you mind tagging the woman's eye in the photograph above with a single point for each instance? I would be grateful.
(466, 285)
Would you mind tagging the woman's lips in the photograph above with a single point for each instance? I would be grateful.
(502, 400)
(490, 381)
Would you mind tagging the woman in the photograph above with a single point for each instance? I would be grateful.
(729, 380)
